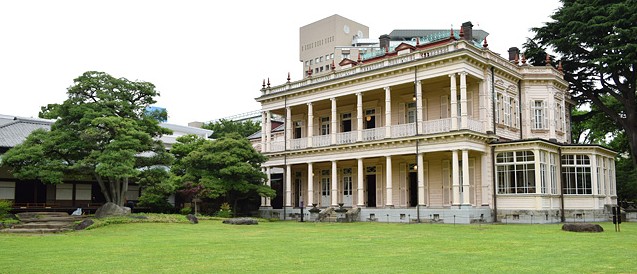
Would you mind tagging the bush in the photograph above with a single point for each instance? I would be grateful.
(186, 210)
(224, 211)
(155, 202)
(5, 207)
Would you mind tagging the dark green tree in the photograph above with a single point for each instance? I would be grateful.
(597, 44)
(228, 167)
(101, 131)
(223, 127)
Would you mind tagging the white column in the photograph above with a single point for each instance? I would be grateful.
(288, 185)
(538, 174)
(266, 183)
(483, 105)
(310, 124)
(388, 200)
(268, 130)
(466, 200)
(334, 121)
(464, 122)
(268, 171)
(334, 184)
(288, 125)
(359, 116)
(454, 177)
(421, 179)
(453, 102)
(263, 127)
(387, 112)
(594, 177)
(310, 184)
(486, 169)
(359, 183)
(419, 103)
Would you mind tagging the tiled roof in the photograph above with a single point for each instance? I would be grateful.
(15, 131)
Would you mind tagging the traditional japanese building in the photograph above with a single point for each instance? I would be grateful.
(30, 195)
(433, 129)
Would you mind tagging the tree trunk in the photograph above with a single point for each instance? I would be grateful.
(103, 188)
(124, 191)
(632, 140)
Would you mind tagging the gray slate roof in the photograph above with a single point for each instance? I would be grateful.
(15, 131)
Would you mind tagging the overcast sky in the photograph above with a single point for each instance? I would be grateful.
(207, 58)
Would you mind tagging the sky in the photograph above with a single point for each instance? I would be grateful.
(207, 59)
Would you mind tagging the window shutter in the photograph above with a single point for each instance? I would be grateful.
(444, 107)
(545, 113)
(469, 103)
(532, 114)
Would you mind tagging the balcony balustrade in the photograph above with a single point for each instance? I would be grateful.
(321, 140)
(374, 134)
(403, 130)
(346, 137)
(435, 126)
(299, 143)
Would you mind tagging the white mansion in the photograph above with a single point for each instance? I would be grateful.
(434, 129)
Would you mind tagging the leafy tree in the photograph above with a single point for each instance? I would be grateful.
(597, 42)
(101, 131)
(228, 167)
(223, 127)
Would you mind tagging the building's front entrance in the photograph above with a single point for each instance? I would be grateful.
(371, 190)
(325, 191)
(298, 190)
(413, 188)
(30, 192)
(347, 187)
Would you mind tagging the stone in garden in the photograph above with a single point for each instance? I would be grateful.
(111, 209)
(84, 224)
(241, 221)
(192, 218)
(582, 227)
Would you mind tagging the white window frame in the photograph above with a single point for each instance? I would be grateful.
(581, 180)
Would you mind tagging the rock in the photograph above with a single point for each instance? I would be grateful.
(241, 221)
(582, 227)
(111, 209)
(84, 224)
(192, 218)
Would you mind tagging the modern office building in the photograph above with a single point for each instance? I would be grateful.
(434, 129)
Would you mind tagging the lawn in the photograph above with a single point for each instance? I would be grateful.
(293, 247)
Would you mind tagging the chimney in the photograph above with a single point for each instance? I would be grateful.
(467, 29)
(384, 41)
(513, 52)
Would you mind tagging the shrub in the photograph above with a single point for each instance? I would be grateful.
(186, 210)
(155, 202)
(5, 207)
(224, 211)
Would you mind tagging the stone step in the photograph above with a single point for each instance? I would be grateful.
(35, 230)
(41, 225)
(52, 219)
(31, 215)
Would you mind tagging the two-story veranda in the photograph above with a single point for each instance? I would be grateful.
(444, 131)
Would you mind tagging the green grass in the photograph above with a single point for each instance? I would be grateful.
(292, 247)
